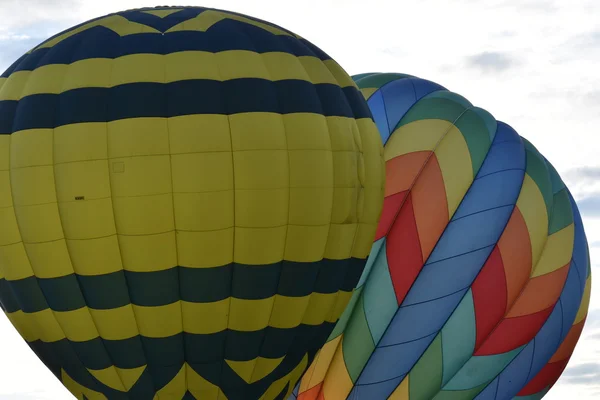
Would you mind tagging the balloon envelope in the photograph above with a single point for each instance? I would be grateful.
(188, 198)
(478, 284)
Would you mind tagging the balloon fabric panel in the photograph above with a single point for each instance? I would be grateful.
(189, 197)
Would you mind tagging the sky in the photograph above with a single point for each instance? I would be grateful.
(532, 63)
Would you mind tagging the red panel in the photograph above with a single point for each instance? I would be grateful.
(489, 296)
(513, 332)
(404, 251)
(391, 206)
(313, 393)
(547, 376)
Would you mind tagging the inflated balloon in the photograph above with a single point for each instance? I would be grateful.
(188, 199)
(478, 284)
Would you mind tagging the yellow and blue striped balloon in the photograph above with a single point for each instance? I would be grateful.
(187, 200)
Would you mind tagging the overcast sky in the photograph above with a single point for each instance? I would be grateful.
(533, 64)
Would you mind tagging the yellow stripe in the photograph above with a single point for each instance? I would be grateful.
(157, 68)
(41, 325)
(421, 135)
(200, 388)
(256, 369)
(455, 164)
(557, 251)
(176, 388)
(342, 78)
(116, 323)
(288, 381)
(162, 13)
(368, 92)
(585, 301)
(318, 369)
(337, 384)
(118, 378)
(532, 207)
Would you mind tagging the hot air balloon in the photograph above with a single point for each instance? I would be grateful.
(478, 284)
(188, 199)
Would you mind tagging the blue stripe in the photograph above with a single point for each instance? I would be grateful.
(514, 376)
(180, 98)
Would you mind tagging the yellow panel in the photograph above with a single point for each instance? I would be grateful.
(184, 65)
(39, 223)
(87, 219)
(160, 321)
(204, 211)
(288, 381)
(455, 163)
(201, 23)
(585, 301)
(202, 172)
(199, 133)
(82, 180)
(200, 388)
(345, 170)
(254, 370)
(176, 388)
(339, 243)
(5, 152)
(368, 92)
(341, 302)
(317, 71)
(95, 256)
(363, 240)
(33, 185)
(205, 318)
(340, 75)
(45, 79)
(532, 207)
(307, 131)
(311, 206)
(118, 378)
(138, 137)
(344, 209)
(79, 390)
(421, 135)
(162, 13)
(77, 325)
(318, 369)
(49, 259)
(235, 64)
(140, 176)
(31, 147)
(12, 88)
(205, 249)
(288, 311)
(257, 131)
(257, 246)
(319, 307)
(311, 168)
(306, 243)
(47, 326)
(337, 384)
(261, 208)
(250, 315)
(401, 392)
(261, 169)
(282, 66)
(79, 142)
(557, 252)
(92, 72)
(14, 262)
(149, 252)
(9, 233)
(115, 323)
(144, 215)
(5, 190)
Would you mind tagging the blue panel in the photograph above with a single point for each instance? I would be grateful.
(377, 107)
(489, 393)
(380, 390)
(471, 233)
(423, 87)
(393, 361)
(580, 248)
(491, 191)
(547, 340)
(570, 300)
(505, 133)
(448, 276)
(503, 156)
(419, 320)
(514, 377)
(399, 97)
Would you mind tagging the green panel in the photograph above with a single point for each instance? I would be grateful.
(357, 343)
(430, 107)
(446, 94)
(375, 252)
(557, 182)
(345, 317)
(476, 133)
(562, 213)
(379, 80)
(458, 337)
(536, 169)
(426, 376)
(468, 394)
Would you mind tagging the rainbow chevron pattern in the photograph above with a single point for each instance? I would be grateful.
(478, 283)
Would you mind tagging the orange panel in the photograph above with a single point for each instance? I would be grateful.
(401, 171)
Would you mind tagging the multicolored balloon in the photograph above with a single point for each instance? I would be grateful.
(187, 200)
(479, 281)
